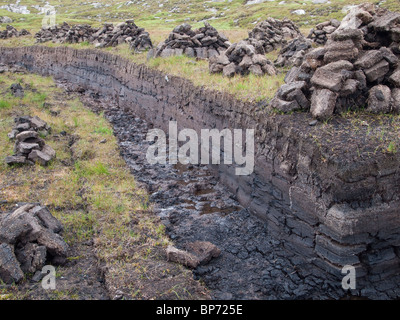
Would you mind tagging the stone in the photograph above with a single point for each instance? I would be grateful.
(386, 21)
(38, 123)
(182, 257)
(379, 99)
(17, 90)
(53, 242)
(229, 70)
(40, 157)
(339, 45)
(285, 89)
(269, 69)
(317, 53)
(246, 62)
(26, 135)
(395, 78)
(369, 59)
(299, 96)
(259, 59)
(292, 75)
(327, 79)
(13, 160)
(350, 54)
(203, 250)
(221, 59)
(396, 100)
(346, 34)
(323, 103)
(10, 272)
(23, 127)
(389, 56)
(338, 66)
(12, 134)
(215, 68)
(17, 225)
(350, 87)
(167, 53)
(47, 219)
(31, 257)
(26, 148)
(201, 53)
(190, 52)
(284, 106)
(377, 71)
(329, 29)
(256, 70)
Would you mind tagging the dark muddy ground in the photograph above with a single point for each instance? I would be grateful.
(193, 205)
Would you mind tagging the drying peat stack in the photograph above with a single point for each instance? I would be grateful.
(66, 34)
(357, 67)
(111, 36)
(29, 148)
(29, 238)
(242, 58)
(293, 53)
(273, 33)
(202, 43)
(12, 32)
(322, 31)
(107, 36)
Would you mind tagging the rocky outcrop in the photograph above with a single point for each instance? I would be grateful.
(107, 36)
(202, 43)
(11, 32)
(29, 148)
(356, 68)
(241, 58)
(273, 33)
(29, 237)
(322, 31)
(293, 53)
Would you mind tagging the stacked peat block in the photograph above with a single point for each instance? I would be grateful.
(29, 148)
(202, 43)
(111, 36)
(293, 53)
(12, 32)
(66, 34)
(273, 33)
(107, 36)
(357, 67)
(29, 238)
(322, 31)
(242, 58)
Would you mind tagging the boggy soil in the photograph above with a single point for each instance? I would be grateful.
(194, 205)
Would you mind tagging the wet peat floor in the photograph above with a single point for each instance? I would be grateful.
(194, 205)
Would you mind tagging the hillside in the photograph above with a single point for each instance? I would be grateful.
(165, 14)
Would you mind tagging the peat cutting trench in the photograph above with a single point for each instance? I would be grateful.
(311, 206)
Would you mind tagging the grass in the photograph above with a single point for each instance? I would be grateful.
(4, 104)
(164, 15)
(89, 188)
